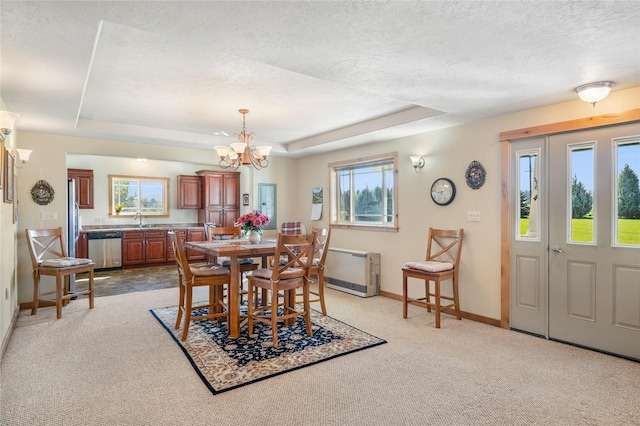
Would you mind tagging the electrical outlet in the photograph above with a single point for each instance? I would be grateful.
(473, 216)
(49, 215)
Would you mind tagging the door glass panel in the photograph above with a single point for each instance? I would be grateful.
(582, 214)
(527, 218)
(627, 189)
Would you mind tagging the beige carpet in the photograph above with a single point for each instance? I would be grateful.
(115, 365)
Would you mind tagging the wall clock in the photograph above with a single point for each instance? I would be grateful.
(443, 191)
(42, 193)
(475, 175)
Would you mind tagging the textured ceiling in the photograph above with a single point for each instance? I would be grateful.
(315, 75)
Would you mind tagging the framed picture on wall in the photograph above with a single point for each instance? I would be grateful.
(8, 176)
(245, 199)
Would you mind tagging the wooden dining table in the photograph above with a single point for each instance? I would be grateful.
(235, 250)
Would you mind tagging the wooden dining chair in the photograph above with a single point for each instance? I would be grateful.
(232, 233)
(442, 263)
(323, 237)
(49, 257)
(215, 277)
(283, 280)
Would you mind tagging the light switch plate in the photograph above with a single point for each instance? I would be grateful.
(49, 215)
(473, 216)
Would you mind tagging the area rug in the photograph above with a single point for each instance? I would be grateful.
(224, 363)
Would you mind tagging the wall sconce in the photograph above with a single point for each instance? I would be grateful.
(594, 92)
(417, 162)
(23, 156)
(6, 123)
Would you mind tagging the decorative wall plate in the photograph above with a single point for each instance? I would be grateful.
(42, 193)
(475, 175)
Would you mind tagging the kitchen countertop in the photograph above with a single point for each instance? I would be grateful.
(145, 227)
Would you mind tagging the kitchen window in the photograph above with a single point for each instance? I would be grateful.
(129, 195)
(365, 193)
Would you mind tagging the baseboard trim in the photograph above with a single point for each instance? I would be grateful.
(465, 315)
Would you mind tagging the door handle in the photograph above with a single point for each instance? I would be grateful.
(557, 249)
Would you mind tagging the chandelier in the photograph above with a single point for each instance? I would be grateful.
(241, 153)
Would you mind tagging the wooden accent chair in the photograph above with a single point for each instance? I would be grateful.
(287, 278)
(189, 276)
(323, 237)
(49, 257)
(441, 263)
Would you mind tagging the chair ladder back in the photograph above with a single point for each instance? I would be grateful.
(294, 248)
(42, 242)
(217, 233)
(444, 243)
(208, 226)
(180, 256)
(323, 237)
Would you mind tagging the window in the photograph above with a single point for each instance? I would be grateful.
(582, 217)
(627, 192)
(527, 218)
(365, 193)
(132, 194)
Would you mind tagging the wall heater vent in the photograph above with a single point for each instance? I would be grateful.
(352, 271)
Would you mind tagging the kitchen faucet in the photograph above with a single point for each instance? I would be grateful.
(138, 215)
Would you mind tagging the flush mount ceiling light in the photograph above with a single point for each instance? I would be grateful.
(242, 153)
(594, 92)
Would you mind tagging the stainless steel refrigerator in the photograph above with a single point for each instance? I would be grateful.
(73, 226)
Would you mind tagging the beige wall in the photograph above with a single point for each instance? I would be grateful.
(8, 282)
(447, 153)
(52, 155)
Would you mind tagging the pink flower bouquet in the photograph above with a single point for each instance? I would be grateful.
(253, 221)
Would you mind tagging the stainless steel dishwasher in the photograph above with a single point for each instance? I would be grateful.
(105, 249)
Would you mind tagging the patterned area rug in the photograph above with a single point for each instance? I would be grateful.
(224, 363)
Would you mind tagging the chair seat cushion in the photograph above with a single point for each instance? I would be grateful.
(291, 228)
(226, 262)
(65, 262)
(207, 270)
(430, 266)
(315, 262)
(266, 273)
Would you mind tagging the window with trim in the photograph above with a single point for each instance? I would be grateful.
(131, 194)
(365, 192)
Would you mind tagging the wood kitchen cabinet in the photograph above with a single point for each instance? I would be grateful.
(189, 192)
(220, 201)
(84, 186)
(191, 234)
(82, 246)
(195, 235)
(144, 247)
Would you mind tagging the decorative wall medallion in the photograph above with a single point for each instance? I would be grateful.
(42, 193)
(475, 175)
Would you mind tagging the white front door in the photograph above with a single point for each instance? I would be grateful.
(575, 263)
(594, 253)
